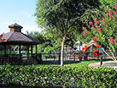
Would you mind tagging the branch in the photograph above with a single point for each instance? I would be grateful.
(105, 52)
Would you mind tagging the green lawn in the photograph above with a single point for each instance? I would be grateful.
(82, 63)
(72, 63)
(66, 63)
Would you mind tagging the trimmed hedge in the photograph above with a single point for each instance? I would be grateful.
(47, 76)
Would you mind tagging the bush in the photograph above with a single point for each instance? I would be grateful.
(58, 76)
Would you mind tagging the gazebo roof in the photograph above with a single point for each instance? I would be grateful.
(15, 36)
(15, 25)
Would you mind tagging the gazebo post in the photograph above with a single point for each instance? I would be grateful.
(32, 50)
(9, 52)
(4, 50)
(19, 51)
(36, 51)
(28, 52)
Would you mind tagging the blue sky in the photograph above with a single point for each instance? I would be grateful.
(19, 11)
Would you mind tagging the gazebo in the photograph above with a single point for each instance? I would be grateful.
(16, 37)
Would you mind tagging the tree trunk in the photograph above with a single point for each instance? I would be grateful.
(62, 50)
(112, 55)
(105, 52)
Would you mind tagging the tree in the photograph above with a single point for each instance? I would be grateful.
(61, 16)
(104, 31)
(36, 35)
(1, 40)
(89, 15)
(44, 38)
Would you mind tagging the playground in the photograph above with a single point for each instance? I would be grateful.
(75, 45)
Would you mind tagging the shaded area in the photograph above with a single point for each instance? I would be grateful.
(19, 86)
(56, 62)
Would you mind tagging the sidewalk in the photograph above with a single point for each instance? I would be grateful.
(112, 64)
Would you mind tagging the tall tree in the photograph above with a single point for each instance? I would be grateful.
(36, 35)
(61, 16)
(43, 38)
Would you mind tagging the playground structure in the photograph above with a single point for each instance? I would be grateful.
(84, 47)
(80, 53)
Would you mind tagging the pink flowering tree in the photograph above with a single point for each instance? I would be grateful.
(1, 40)
(104, 31)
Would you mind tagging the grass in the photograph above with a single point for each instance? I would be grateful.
(72, 63)
(66, 63)
(86, 63)
(82, 63)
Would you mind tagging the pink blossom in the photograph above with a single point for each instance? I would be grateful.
(92, 27)
(106, 15)
(111, 40)
(97, 22)
(102, 19)
(98, 28)
(110, 15)
(102, 24)
(115, 4)
(84, 33)
(106, 10)
(95, 19)
(2, 40)
(1, 35)
(90, 23)
(110, 12)
(84, 28)
(94, 39)
(115, 12)
(116, 7)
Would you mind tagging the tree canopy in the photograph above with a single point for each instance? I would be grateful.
(104, 31)
(63, 17)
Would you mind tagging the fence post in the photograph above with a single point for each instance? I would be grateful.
(101, 61)
(59, 57)
(74, 56)
(98, 56)
(80, 58)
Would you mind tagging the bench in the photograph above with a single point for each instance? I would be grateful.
(50, 57)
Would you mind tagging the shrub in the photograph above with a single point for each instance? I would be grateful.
(47, 76)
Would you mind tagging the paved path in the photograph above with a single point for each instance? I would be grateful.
(112, 64)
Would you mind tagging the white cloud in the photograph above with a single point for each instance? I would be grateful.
(28, 14)
(31, 28)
